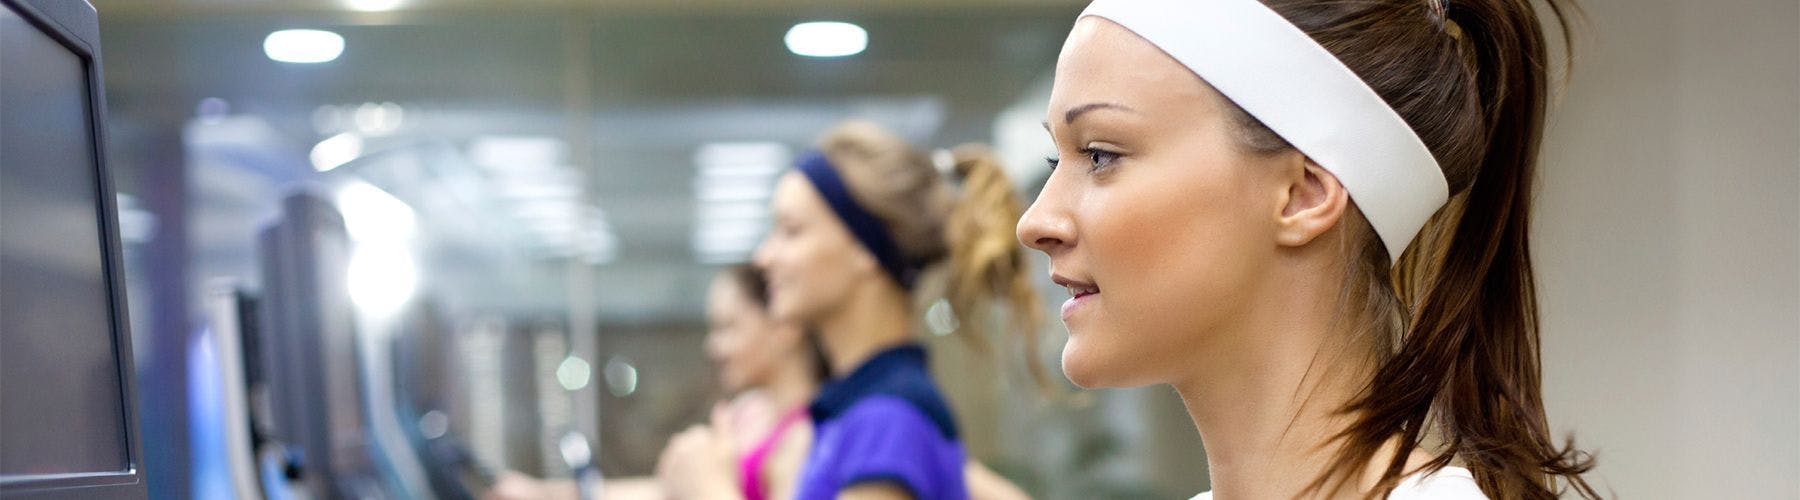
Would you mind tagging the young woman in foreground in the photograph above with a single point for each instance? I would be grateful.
(1311, 218)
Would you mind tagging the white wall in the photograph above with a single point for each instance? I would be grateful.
(1668, 245)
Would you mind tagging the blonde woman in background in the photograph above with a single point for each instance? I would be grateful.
(773, 370)
(856, 224)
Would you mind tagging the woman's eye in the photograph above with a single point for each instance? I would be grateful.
(1101, 158)
(1098, 159)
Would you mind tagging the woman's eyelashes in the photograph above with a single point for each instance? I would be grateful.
(1098, 159)
(1101, 158)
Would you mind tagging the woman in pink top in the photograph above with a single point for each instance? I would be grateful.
(771, 368)
(774, 369)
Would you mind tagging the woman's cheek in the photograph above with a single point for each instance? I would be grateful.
(1147, 248)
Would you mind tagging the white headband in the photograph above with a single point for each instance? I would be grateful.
(1298, 89)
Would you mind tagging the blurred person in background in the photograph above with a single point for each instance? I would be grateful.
(1237, 218)
(856, 224)
(774, 369)
(770, 370)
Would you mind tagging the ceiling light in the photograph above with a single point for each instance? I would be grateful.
(373, 5)
(722, 154)
(303, 46)
(826, 39)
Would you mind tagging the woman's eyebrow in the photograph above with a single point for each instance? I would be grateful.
(1076, 112)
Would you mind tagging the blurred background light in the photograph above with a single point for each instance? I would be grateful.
(378, 118)
(383, 274)
(335, 151)
(371, 214)
(826, 39)
(303, 46)
(382, 277)
(621, 376)
(373, 5)
(731, 196)
(211, 109)
(573, 373)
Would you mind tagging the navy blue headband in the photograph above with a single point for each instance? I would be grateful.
(868, 230)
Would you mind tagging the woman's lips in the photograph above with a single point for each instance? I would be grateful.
(1074, 304)
(1080, 292)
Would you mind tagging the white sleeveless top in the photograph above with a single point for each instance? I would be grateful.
(1449, 483)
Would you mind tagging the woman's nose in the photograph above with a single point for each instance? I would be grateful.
(1045, 226)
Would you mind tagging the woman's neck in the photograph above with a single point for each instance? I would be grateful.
(793, 381)
(1268, 415)
(873, 318)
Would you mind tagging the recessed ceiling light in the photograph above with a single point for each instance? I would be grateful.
(373, 5)
(826, 39)
(303, 46)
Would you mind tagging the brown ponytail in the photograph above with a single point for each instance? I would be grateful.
(1455, 321)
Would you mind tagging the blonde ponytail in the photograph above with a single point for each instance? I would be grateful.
(986, 261)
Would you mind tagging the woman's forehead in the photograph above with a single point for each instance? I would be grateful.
(795, 197)
(1106, 63)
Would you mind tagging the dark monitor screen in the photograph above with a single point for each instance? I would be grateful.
(65, 415)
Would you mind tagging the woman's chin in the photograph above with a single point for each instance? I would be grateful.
(794, 308)
(1090, 368)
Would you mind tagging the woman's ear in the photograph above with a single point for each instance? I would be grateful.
(1315, 202)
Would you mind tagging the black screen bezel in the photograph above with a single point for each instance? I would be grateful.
(75, 25)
